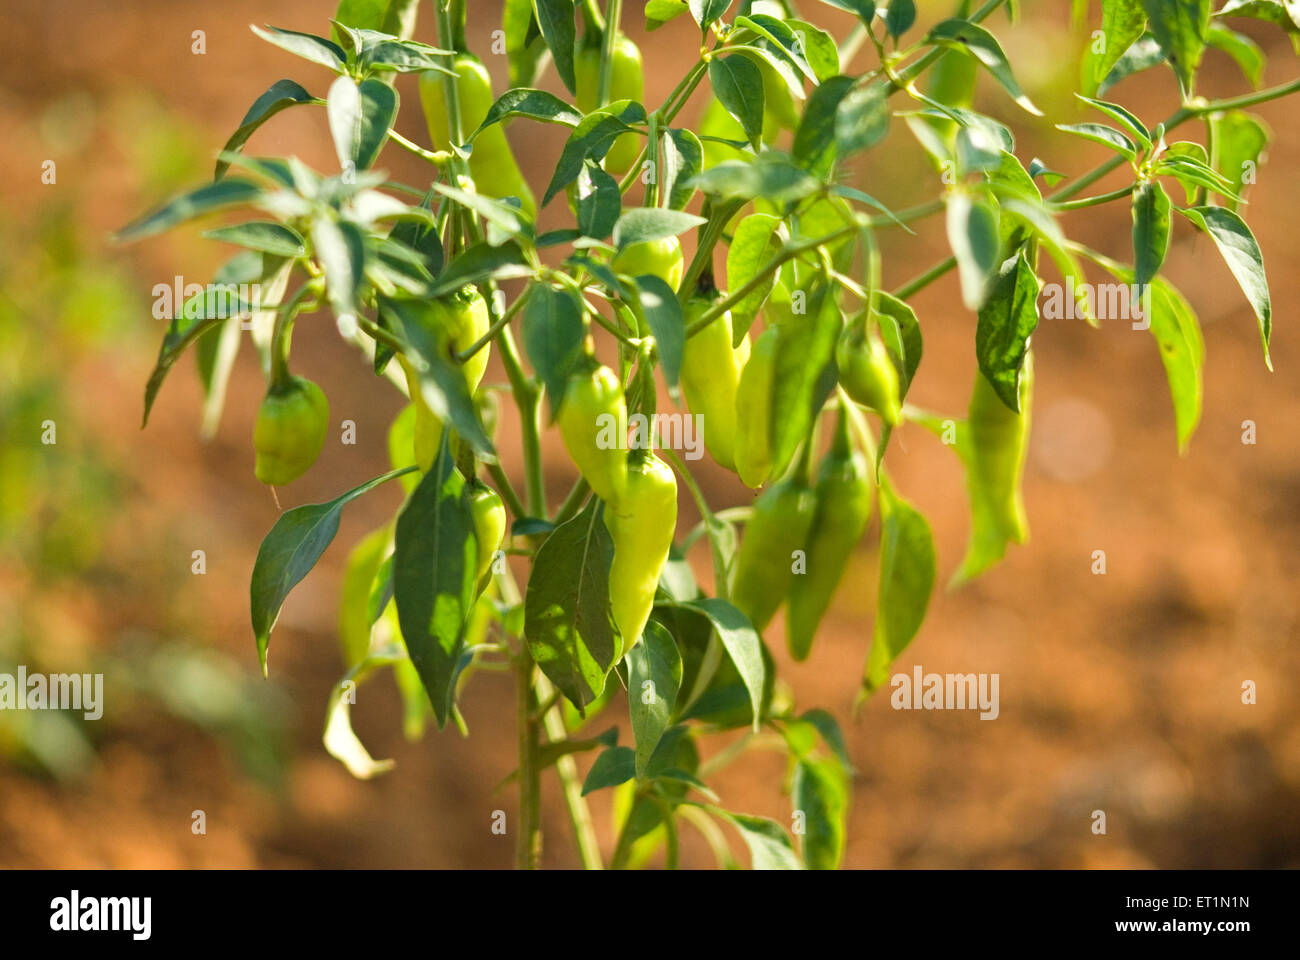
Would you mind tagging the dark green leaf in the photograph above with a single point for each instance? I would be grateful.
(553, 335)
(592, 138)
(1239, 143)
(435, 556)
(1142, 55)
(663, 315)
(742, 644)
(752, 248)
(706, 12)
(1179, 27)
(964, 35)
(738, 85)
(829, 728)
(281, 94)
(654, 674)
(1134, 127)
(861, 119)
(819, 793)
(305, 45)
(555, 18)
(815, 140)
(230, 192)
(481, 262)
(771, 175)
(1122, 23)
(901, 334)
(360, 116)
(683, 160)
(1100, 133)
(769, 845)
(613, 766)
(263, 235)
(566, 610)
(1006, 322)
(899, 17)
(341, 250)
(973, 236)
(645, 224)
(1150, 230)
(288, 553)
(599, 201)
(534, 104)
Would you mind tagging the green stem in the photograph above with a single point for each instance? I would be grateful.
(787, 254)
(528, 399)
(613, 15)
(584, 830)
(909, 73)
(439, 158)
(528, 849)
(708, 239)
(497, 326)
(507, 490)
(1093, 201)
(925, 279)
(284, 318)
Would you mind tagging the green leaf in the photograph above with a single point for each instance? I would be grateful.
(599, 201)
(1100, 133)
(395, 17)
(613, 765)
(1150, 230)
(266, 236)
(341, 250)
(659, 12)
(1175, 327)
(752, 247)
(961, 34)
(402, 56)
(818, 47)
(829, 728)
(534, 104)
(654, 674)
(1285, 13)
(288, 553)
(769, 846)
(820, 794)
(806, 349)
(592, 139)
(553, 335)
(1122, 24)
(861, 119)
(442, 381)
(645, 224)
(1134, 127)
(683, 160)
(1006, 322)
(741, 641)
(738, 84)
(706, 12)
(435, 557)
(567, 622)
(899, 17)
(973, 235)
(360, 116)
(1241, 253)
(281, 94)
(771, 176)
(1179, 27)
(555, 19)
(1239, 143)
(663, 315)
(481, 262)
(815, 140)
(305, 45)
(901, 333)
(865, 9)
(781, 46)
(524, 45)
(1143, 55)
(230, 192)
(907, 570)
(340, 740)
(1242, 49)
(498, 213)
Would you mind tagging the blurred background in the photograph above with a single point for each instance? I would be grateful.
(1119, 692)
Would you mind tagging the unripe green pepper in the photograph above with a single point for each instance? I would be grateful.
(711, 369)
(999, 441)
(626, 82)
(658, 258)
(753, 445)
(491, 163)
(642, 530)
(592, 413)
(843, 496)
(489, 526)
(777, 528)
(867, 374)
(290, 430)
(454, 324)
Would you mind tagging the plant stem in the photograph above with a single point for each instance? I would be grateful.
(909, 73)
(584, 830)
(528, 850)
(439, 158)
(496, 327)
(613, 14)
(925, 279)
(507, 490)
(1093, 201)
(528, 399)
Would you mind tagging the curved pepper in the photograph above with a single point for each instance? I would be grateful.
(999, 441)
(658, 258)
(866, 372)
(642, 530)
(843, 496)
(779, 526)
(489, 526)
(491, 163)
(626, 82)
(711, 369)
(591, 415)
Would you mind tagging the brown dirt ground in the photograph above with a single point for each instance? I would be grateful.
(1119, 692)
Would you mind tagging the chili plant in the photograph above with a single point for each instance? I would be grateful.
(597, 596)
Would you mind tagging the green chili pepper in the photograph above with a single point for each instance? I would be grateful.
(626, 82)
(999, 441)
(642, 529)
(658, 258)
(492, 165)
(290, 430)
(866, 372)
(777, 529)
(591, 415)
(489, 526)
(843, 496)
(753, 446)
(711, 369)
